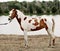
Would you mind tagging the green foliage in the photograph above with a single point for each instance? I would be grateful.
(12, 5)
(0, 10)
(34, 7)
(54, 10)
(6, 11)
(39, 10)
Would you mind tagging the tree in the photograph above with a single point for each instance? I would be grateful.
(35, 7)
(54, 10)
(0, 11)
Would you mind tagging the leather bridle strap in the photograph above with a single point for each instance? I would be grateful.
(5, 23)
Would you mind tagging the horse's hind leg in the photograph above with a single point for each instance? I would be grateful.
(49, 37)
(52, 37)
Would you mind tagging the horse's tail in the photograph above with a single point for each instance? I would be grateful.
(53, 25)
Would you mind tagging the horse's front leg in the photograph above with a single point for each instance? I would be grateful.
(25, 38)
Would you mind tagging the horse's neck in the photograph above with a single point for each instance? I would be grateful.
(21, 15)
(19, 20)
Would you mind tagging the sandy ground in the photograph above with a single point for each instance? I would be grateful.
(36, 43)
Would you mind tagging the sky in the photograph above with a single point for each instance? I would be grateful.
(23, 0)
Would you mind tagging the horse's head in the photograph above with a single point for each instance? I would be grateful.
(12, 14)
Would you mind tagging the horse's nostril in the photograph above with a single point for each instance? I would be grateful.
(8, 18)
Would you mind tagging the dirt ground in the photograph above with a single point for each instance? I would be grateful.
(36, 43)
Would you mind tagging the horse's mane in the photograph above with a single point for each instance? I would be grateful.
(21, 14)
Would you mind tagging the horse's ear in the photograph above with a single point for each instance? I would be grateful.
(14, 9)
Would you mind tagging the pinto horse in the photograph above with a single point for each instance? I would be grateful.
(33, 24)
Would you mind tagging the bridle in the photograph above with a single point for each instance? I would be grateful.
(9, 21)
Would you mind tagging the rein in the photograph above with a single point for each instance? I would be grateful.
(5, 23)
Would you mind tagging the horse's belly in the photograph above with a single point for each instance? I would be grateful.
(27, 26)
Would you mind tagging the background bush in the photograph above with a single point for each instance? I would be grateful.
(35, 7)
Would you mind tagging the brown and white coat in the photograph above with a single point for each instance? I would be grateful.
(28, 23)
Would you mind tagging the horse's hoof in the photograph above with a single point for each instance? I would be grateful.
(26, 46)
(51, 46)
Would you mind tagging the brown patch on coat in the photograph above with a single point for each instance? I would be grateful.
(25, 18)
(21, 28)
(19, 21)
(36, 22)
(46, 27)
(42, 24)
(14, 14)
(29, 21)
